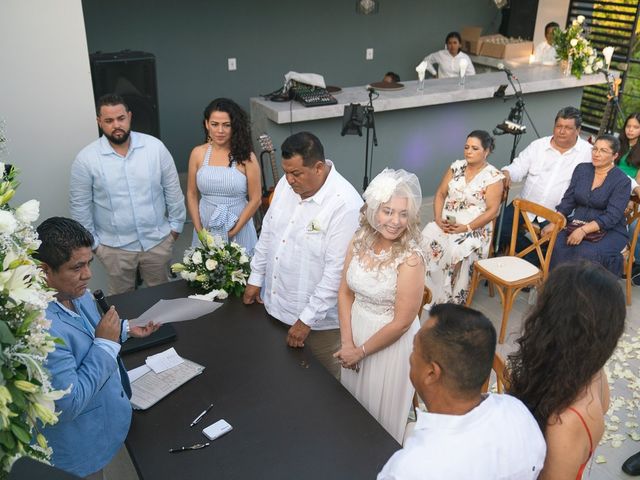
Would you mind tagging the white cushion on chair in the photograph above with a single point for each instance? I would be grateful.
(510, 269)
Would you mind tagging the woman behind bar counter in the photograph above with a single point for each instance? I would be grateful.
(448, 60)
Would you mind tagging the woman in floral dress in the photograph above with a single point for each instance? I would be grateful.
(465, 204)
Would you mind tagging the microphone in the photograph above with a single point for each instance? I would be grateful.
(101, 301)
(505, 69)
(509, 127)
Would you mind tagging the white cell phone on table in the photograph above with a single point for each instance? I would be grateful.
(217, 429)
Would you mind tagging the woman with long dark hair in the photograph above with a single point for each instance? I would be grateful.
(629, 160)
(224, 172)
(557, 371)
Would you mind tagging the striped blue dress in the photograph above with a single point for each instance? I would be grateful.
(224, 196)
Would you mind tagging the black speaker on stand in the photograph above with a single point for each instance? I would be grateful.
(132, 75)
(519, 19)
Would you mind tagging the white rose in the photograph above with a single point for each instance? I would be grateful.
(574, 23)
(210, 264)
(574, 42)
(244, 259)
(588, 70)
(28, 212)
(222, 294)
(197, 258)
(8, 222)
(580, 18)
(599, 64)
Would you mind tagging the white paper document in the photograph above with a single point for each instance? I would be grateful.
(176, 310)
(164, 360)
(152, 387)
(136, 373)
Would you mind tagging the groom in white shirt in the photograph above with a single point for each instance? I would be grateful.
(299, 256)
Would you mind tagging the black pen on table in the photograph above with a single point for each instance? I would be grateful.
(199, 417)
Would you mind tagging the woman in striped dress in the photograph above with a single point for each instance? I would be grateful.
(223, 187)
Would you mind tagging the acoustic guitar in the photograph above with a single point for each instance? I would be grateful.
(267, 149)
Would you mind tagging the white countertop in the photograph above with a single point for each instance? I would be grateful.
(534, 78)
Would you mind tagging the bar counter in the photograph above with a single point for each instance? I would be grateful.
(424, 132)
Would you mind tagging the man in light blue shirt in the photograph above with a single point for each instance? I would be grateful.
(96, 413)
(125, 190)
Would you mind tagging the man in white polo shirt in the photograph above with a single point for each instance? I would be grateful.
(299, 257)
(464, 435)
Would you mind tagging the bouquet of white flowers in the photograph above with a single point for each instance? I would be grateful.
(575, 51)
(215, 265)
(26, 395)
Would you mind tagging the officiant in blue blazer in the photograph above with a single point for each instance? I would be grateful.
(96, 413)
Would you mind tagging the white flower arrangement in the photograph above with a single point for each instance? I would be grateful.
(575, 50)
(26, 395)
(381, 188)
(215, 265)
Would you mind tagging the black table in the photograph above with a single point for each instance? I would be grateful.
(291, 419)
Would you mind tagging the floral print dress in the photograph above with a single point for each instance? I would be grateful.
(465, 201)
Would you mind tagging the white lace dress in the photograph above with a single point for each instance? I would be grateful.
(382, 385)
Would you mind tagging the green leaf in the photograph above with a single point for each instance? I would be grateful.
(19, 432)
(19, 399)
(5, 334)
(7, 439)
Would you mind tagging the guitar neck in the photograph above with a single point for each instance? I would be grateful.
(606, 117)
(274, 167)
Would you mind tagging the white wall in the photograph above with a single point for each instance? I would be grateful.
(549, 11)
(46, 97)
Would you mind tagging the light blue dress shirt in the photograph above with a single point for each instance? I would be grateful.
(96, 414)
(129, 202)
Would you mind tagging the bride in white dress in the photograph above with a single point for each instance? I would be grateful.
(379, 299)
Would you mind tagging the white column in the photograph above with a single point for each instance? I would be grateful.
(549, 11)
(46, 97)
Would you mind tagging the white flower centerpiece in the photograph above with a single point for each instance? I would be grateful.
(215, 265)
(26, 395)
(577, 56)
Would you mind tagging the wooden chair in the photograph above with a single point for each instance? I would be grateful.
(512, 273)
(500, 370)
(628, 253)
(494, 232)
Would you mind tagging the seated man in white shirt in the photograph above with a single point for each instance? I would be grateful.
(545, 52)
(465, 434)
(448, 60)
(546, 166)
(299, 256)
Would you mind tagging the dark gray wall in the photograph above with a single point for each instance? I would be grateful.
(192, 40)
